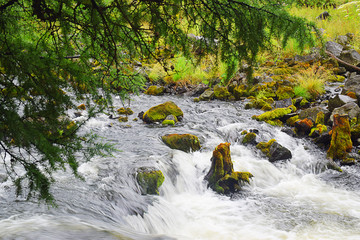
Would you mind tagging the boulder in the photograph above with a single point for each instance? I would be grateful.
(160, 112)
(334, 48)
(283, 103)
(350, 56)
(149, 180)
(352, 84)
(221, 93)
(304, 126)
(271, 116)
(221, 176)
(351, 109)
(341, 143)
(338, 101)
(274, 151)
(355, 134)
(313, 112)
(342, 39)
(249, 138)
(207, 95)
(183, 142)
(155, 91)
(323, 16)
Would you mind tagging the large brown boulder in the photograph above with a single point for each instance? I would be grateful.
(221, 176)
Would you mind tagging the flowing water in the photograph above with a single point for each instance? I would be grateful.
(295, 199)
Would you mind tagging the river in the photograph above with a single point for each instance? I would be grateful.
(295, 199)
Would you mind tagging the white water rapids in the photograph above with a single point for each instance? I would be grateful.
(295, 199)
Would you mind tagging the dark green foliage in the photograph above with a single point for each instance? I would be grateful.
(53, 53)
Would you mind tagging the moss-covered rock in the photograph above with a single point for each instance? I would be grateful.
(291, 121)
(274, 114)
(155, 91)
(355, 134)
(160, 112)
(249, 138)
(81, 107)
(336, 78)
(284, 92)
(168, 122)
(183, 142)
(221, 93)
(341, 143)
(123, 119)
(317, 131)
(149, 180)
(320, 118)
(125, 111)
(221, 176)
(274, 151)
(240, 91)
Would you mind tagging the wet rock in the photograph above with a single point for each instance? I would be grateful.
(207, 95)
(304, 126)
(183, 142)
(274, 151)
(323, 140)
(81, 107)
(155, 91)
(160, 112)
(338, 101)
(334, 48)
(341, 143)
(149, 180)
(271, 117)
(221, 176)
(317, 131)
(125, 111)
(249, 138)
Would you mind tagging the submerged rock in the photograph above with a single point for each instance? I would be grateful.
(341, 143)
(221, 176)
(160, 112)
(149, 180)
(183, 142)
(274, 151)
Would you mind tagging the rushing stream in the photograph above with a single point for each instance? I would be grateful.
(296, 199)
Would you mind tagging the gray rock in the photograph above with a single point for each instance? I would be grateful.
(343, 40)
(351, 109)
(334, 48)
(207, 95)
(312, 113)
(307, 58)
(338, 101)
(350, 56)
(353, 84)
(278, 152)
(283, 103)
(324, 15)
